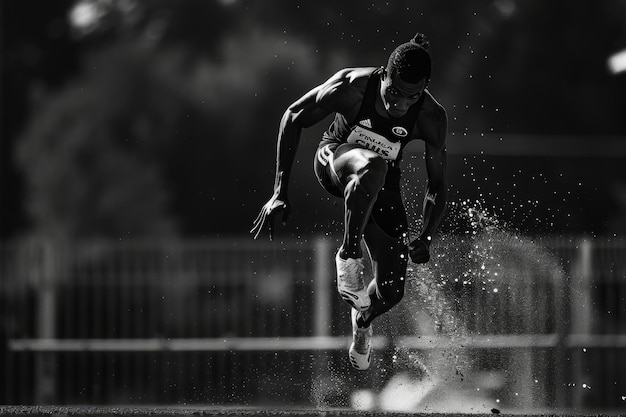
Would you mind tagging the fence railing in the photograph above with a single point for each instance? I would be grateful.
(234, 321)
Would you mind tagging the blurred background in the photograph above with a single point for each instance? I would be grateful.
(138, 144)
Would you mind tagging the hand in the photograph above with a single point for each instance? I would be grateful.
(419, 250)
(265, 219)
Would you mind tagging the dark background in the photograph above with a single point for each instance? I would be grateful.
(126, 119)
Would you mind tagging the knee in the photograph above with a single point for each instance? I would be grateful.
(373, 174)
(369, 179)
(391, 292)
(391, 287)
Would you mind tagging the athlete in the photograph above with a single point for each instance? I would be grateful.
(377, 111)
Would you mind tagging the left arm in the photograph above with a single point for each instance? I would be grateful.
(436, 191)
(433, 124)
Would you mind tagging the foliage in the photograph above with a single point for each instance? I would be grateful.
(168, 124)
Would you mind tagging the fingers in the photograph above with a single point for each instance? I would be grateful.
(258, 223)
(265, 219)
(259, 216)
(418, 251)
(256, 228)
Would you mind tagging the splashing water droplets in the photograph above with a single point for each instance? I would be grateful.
(476, 258)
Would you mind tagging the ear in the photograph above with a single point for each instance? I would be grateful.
(383, 74)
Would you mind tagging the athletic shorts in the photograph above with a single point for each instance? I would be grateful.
(388, 211)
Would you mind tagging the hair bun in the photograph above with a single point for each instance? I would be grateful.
(420, 40)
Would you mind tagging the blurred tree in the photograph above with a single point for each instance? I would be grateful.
(89, 156)
(544, 64)
(38, 54)
(149, 139)
(191, 91)
(192, 24)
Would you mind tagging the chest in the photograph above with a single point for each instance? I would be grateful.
(385, 139)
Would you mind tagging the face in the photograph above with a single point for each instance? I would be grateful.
(398, 95)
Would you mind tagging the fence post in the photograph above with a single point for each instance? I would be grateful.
(322, 308)
(581, 291)
(581, 312)
(44, 258)
(561, 317)
(321, 287)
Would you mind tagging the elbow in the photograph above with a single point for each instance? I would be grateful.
(291, 118)
(288, 116)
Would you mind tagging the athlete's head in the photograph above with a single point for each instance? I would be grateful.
(406, 76)
(411, 60)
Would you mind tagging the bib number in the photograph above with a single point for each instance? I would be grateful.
(373, 141)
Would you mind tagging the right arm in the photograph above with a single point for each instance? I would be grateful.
(301, 114)
(340, 93)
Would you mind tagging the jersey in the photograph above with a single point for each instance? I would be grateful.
(370, 130)
(385, 136)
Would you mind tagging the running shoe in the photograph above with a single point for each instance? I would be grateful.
(350, 283)
(360, 352)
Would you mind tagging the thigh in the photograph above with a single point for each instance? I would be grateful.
(334, 165)
(350, 159)
(325, 172)
(389, 213)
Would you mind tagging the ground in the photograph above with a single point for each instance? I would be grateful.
(180, 411)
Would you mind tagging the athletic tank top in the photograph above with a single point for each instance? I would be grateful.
(385, 136)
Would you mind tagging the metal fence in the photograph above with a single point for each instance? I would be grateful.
(234, 321)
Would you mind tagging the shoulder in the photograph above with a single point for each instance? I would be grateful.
(344, 88)
(433, 121)
(353, 77)
(432, 110)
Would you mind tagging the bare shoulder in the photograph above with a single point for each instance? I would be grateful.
(433, 122)
(433, 110)
(353, 77)
(344, 89)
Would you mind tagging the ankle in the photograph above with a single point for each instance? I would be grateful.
(360, 322)
(354, 254)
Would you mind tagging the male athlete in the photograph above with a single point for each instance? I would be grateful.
(377, 112)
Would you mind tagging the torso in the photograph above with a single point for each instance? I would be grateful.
(364, 125)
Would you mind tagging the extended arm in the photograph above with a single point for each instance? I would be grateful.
(303, 113)
(333, 95)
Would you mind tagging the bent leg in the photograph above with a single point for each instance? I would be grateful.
(362, 173)
(389, 263)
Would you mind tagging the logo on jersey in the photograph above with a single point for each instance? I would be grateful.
(375, 142)
(399, 131)
(366, 123)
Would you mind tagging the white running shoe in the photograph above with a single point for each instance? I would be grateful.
(360, 352)
(350, 283)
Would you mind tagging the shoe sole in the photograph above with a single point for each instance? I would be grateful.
(352, 299)
(354, 360)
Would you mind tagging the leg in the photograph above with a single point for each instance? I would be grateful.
(389, 262)
(362, 173)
